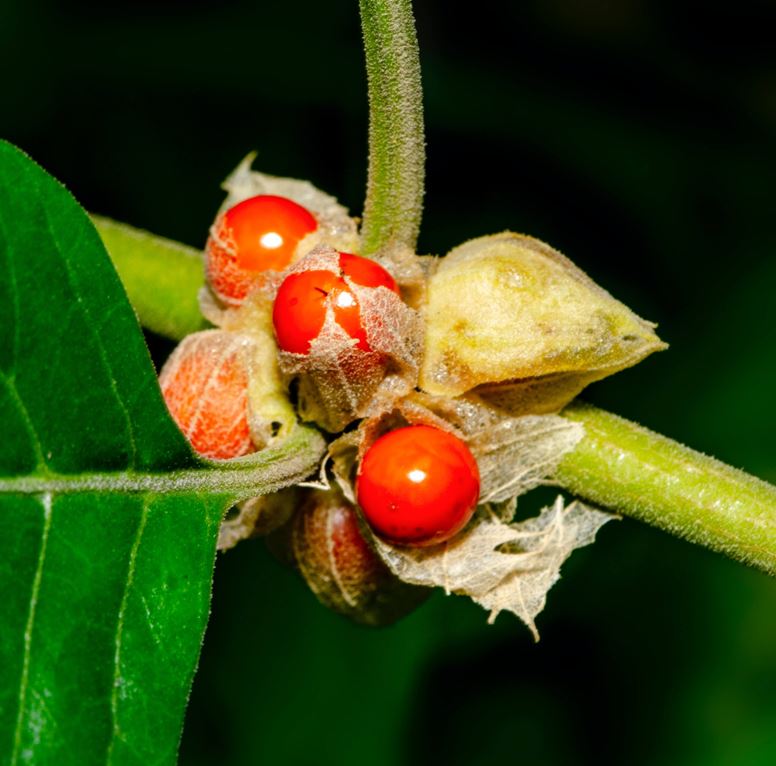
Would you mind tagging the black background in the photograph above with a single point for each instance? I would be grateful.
(637, 137)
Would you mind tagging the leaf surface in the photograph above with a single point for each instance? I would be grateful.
(108, 522)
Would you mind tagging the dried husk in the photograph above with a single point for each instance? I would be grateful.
(271, 413)
(258, 517)
(513, 454)
(513, 319)
(501, 566)
(339, 382)
(341, 568)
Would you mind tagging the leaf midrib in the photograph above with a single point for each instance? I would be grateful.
(243, 477)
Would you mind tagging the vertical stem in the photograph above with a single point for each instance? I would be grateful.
(623, 466)
(394, 197)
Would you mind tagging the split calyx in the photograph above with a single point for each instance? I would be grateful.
(488, 343)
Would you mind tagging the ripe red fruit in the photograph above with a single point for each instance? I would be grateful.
(418, 486)
(256, 235)
(300, 305)
(205, 386)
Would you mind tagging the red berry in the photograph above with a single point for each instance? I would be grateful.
(418, 486)
(205, 386)
(256, 235)
(300, 305)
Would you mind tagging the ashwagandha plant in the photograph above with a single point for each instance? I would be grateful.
(110, 521)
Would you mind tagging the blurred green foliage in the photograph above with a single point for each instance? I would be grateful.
(639, 138)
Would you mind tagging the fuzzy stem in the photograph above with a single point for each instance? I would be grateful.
(394, 197)
(161, 277)
(623, 466)
(288, 462)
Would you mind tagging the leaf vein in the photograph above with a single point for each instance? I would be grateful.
(114, 697)
(21, 407)
(24, 681)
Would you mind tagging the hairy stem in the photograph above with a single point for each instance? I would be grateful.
(161, 277)
(394, 197)
(623, 466)
(288, 462)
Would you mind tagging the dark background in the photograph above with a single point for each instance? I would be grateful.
(639, 138)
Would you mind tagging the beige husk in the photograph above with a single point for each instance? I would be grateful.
(339, 382)
(258, 517)
(514, 454)
(341, 568)
(503, 567)
(515, 320)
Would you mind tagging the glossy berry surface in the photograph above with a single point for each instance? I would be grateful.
(300, 305)
(207, 396)
(418, 486)
(258, 234)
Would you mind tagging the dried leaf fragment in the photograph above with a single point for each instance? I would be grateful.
(502, 566)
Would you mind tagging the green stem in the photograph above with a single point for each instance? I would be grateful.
(161, 277)
(623, 466)
(289, 462)
(394, 197)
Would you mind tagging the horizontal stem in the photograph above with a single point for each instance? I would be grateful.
(627, 468)
(162, 278)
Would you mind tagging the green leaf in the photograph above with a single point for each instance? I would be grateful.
(108, 521)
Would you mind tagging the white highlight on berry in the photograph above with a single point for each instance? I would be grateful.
(416, 475)
(345, 300)
(271, 240)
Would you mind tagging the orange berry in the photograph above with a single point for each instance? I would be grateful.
(205, 386)
(258, 234)
(300, 305)
(418, 486)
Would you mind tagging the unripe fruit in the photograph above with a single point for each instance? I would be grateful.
(303, 297)
(257, 235)
(205, 385)
(341, 569)
(510, 314)
(418, 486)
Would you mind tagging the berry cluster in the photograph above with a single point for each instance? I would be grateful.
(413, 366)
(416, 485)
